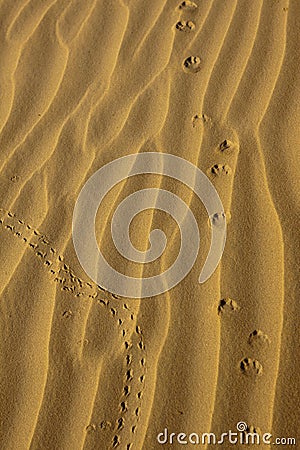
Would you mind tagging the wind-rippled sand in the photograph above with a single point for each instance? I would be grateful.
(83, 83)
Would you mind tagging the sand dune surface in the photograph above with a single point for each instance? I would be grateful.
(83, 83)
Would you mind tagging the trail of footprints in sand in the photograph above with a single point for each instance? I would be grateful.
(256, 339)
(192, 64)
(61, 273)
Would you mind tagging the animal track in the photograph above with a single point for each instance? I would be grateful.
(220, 169)
(185, 26)
(14, 178)
(226, 146)
(227, 304)
(251, 367)
(195, 120)
(206, 119)
(192, 64)
(257, 337)
(187, 4)
(91, 428)
(62, 274)
(203, 118)
(67, 314)
(217, 220)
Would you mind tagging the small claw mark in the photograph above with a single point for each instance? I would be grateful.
(251, 367)
(185, 26)
(192, 64)
(227, 304)
(67, 314)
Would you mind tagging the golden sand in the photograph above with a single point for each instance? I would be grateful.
(84, 82)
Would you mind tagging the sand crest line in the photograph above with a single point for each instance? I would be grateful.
(60, 272)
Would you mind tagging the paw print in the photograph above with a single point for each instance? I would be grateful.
(251, 367)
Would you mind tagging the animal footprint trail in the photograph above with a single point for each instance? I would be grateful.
(130, 406)
(133, 341)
